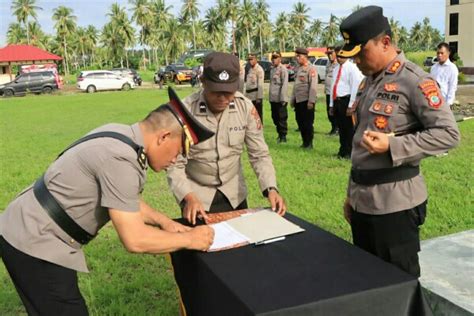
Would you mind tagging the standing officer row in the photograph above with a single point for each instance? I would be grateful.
(254, 84)
(328, 81)
(278, 96)
(304, 96)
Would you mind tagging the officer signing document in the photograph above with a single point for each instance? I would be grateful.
(96, 179)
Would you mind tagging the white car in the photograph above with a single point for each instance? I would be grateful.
(97, 80)
(321, 64)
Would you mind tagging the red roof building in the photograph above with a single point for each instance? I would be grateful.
(23, 55)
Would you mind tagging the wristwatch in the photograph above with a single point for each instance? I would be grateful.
(267, 190)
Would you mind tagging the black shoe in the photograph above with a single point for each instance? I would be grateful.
(281, 139)
(307, 147)
(334, 131)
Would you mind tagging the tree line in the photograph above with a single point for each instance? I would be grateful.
(240, 26)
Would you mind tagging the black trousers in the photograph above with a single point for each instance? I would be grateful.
(44, 288)
(331, 118)
(220, 203)
(305, 120)
(280, 118)
(345, 126)
(393, 237)
(259, 107)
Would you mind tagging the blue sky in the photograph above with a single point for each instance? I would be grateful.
(94, 11)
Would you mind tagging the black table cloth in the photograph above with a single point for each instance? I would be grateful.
(310, 273)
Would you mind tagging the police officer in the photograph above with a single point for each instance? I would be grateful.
(400, 119)
(96, 179)
(211, 177)
(278, 96)
(254, 84)
(304, 96)
(327, 87)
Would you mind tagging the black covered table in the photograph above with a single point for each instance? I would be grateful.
(310, 273)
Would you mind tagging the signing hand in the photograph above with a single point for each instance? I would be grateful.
(192, 208)
(276, 202)
(375, 142)
(201, 237)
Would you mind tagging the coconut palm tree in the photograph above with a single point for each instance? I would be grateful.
(229, 11)
(143, 16)
(190, 11)
(214, 26)
(403, 39)
(65, 25)
(331, 31)
(395, 27)
(92, 35)
(416, 36)
(299, 18)
(315, 31)
(16, 34)
(161, 14)
(281, 30)
(119, 20)
(37, 37)
(262, 20)
(246, 20)
(23, 9)
(173, 37)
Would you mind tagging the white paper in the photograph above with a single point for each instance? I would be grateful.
(225, 236)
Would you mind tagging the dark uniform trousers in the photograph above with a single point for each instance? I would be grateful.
(305, 120)
(280, 118)
(394, 237)
(259, 106)
(220, 203)
(345, 126)
(331, 118)
(45, 288)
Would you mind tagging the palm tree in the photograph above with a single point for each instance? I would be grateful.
(357, 8)
(229, 9)
(23, 9)
(403, 39)
(314, 32)
(214, 26)
(119, 21)
(331, 31)
(92, 35)
(282, 27)
(143, 16)
(395, 27)
(65, 25)
(246, 20)
(299, 18)
(416, 36)
(173, 37)
(261, 19)
(16, 34)
(37, 37)
(162, 15)
(190, 11)
(427, 33)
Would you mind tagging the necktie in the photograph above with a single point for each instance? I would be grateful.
(334, 90)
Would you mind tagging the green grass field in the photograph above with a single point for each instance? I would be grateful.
(34, 129)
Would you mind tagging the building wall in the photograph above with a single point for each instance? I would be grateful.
(465, 37)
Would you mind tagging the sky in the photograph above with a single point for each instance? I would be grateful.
(94, 11)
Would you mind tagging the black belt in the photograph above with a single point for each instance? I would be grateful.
(347, 96)
(58, 215)
(251, 90)
(385, 175)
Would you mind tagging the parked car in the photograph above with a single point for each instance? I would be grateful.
(35, 82)
(177, 73)
(130, 73)
(430, 61)
(97, 80)
(321, 64)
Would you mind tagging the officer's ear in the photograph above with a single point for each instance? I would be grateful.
(162, 136)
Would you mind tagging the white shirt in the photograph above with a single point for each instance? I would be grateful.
(447, 76)
(348, 83)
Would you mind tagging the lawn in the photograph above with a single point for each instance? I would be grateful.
(34, 129)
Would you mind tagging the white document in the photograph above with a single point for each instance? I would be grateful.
(226, 237)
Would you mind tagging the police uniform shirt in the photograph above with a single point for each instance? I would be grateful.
(215, 164)
(254, 81)
(447, 76)
(278, 90)
(406, 101)
(329, 77)
(348, 82)
(306, 80)
(86, 180)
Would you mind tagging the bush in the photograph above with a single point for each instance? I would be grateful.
(462, 78)
(419, 57)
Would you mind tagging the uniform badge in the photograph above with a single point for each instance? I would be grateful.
(381, 122)
(435, 101)
(232, 105)
(142, 158)
(390, 87)
(430, 90)
(202, 107)
(394, 67)
(224, 76)
(377, 106)
(388, 109)
(256, 117)
(312, 73)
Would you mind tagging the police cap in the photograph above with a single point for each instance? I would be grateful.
(193, 131)
(221, 72)
(361, 26)
(301, 51)
(251, 56)
(276, 54)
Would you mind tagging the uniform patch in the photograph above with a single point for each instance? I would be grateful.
(256, 117)
(202, 107)
(435, 101)
(394, 67)
(381, 122)
(377, 106)
(388, 96)
(430, 90)
(388, 109)
(390, 87)
(312, 72)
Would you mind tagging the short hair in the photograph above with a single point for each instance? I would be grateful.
(384, 33)
(162, 118)
(445, 45)
(337, 48)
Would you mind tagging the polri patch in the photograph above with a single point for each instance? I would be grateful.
(388, 109)
(390, 87)
(256, 117)
(430, 90)
(381, 122)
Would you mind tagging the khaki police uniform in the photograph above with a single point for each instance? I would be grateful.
(215, 164)
(327, 90)
(86, 181)
(241, 78)
(278, 96)
(304, 92)
(254, 87)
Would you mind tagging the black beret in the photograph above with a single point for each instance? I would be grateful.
(361, 26)
(276, 54)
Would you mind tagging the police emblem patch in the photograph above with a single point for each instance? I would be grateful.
(388, 109)
(390, 87)
(377, 106)
(224, 76)
(381, 122)
(257, 118)
(430, 90)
